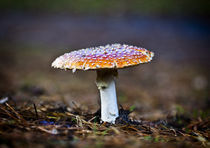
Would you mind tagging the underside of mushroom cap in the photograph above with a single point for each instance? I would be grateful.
(103, 57)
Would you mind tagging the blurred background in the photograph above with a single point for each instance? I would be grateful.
(34, 33)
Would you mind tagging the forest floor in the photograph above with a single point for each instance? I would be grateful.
(162, 104)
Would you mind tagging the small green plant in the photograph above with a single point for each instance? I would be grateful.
(180, 110)
(132, 108)
(148, 138)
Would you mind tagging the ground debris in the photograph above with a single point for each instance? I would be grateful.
(56, 123)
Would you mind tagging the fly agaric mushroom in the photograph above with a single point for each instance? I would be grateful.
(105, 60)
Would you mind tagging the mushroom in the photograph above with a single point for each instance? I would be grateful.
(105, 60)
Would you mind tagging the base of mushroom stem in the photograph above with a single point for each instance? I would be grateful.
(106, 84)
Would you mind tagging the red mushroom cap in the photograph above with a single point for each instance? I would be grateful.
(109, 56)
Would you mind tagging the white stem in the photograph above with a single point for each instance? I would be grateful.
(106, 85)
